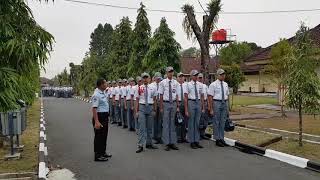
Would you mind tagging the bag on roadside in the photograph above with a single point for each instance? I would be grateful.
(179, 119)
(229, 125)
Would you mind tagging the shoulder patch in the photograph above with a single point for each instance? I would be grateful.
(94, 99)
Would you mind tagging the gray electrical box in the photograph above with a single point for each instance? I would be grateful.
(11, 123)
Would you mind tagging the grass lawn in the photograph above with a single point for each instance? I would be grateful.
(248, 136)
(30, 140)
(290, 146)
(310, 124)
(252, 100)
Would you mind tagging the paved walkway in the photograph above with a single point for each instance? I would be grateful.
(70, 139)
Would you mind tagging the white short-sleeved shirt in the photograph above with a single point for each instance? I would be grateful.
(116, 92)
(164, 89)
(179, 88)
(140, 93)
(216, 92)
(128, 92)
(190, 89)
(205, 91)
(122, 92)
(133, 91)
(110, 92)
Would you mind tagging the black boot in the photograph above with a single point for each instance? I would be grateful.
(140, 149)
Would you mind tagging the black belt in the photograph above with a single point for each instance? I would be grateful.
(193, 99)
(219, 100)
(169, 101)
(145, 104)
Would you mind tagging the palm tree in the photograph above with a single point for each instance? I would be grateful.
(192, 28)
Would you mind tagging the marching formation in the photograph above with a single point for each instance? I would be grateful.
(163, 110)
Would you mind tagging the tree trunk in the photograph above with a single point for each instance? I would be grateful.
(205, 57)
(300, 125)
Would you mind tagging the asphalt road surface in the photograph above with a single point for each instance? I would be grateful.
(70, 145)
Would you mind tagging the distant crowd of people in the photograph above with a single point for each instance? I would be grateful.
(59, 92)
(163, 110)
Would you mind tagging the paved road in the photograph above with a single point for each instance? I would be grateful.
(70, 139)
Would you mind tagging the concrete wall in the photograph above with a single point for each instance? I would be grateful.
(259, 83)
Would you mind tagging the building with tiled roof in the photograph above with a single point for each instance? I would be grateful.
(190, 63)
(254, 67)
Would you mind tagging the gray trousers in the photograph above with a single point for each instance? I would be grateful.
(181, 128)
(169, 135)
(220, 116)
(123, 113)
(145, 124)
(204, 119)
(157, 124)
(194, 120)
(117, 112)
(130, 116)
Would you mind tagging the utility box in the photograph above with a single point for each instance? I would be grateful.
(11, 123)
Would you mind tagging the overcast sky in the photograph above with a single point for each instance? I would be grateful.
(72, 23)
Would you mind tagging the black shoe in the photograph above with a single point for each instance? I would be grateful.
(174, 147)
(198, 145)
(113, 122)
(167, 148)
(125, 127)
(193, 146)
(119, 124)
(107, 155)
(180, 141)
(158, 141)
(132, 129)
(139, 150)
(150, 146)
(101, 159)
(204, 137)
(219, 143)
(224, 143)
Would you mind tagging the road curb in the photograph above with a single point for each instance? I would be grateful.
(43, 169)
(280, 156)
(83, 99)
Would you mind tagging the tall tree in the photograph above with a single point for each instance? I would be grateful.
(100, 46)
(302, 80)
(140, 46)
(120, 54)
(278, 68)
(24, 49)
(191, 52)
(88, 75)
(192, 27)
(234, 53)
(164, 50)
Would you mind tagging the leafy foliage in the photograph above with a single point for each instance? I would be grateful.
(234, 76)
(234, 53)
(140, 42)
(302, 80)
(24, 49)
(120, 54)
(191, 52)
(164, 50)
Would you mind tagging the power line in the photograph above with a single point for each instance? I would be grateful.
(176, 11)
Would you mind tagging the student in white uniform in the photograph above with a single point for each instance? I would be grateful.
(204, 115)
(116, 102)
(169, 106)
(193, 103)
(130, 105)
(145, 97)
(218, 105)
